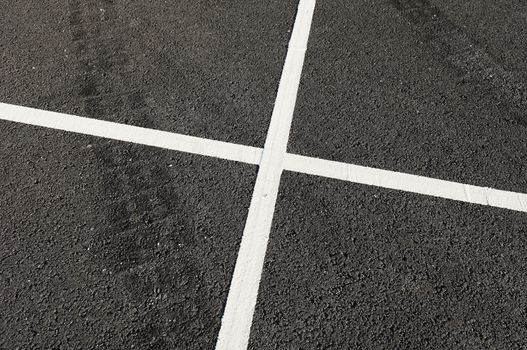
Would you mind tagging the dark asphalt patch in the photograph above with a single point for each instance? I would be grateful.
(353, 266)
(497, 25)
(400, 85)
(111, 245)
(204, 68)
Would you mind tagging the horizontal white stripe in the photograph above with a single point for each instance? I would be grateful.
(407, 182)
(128, 133)
(252, 155)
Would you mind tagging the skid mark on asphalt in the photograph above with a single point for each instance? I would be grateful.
(106, 81)
(145, 217)
(145, 213)
(148, 219)
(455, 48)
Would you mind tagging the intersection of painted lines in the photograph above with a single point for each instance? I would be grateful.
(252, 155)
(339, 225)
(273, 159)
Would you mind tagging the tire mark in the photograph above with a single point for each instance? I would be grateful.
(455, 48)
(146, 221)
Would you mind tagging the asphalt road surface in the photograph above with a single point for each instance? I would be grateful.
(304, 212)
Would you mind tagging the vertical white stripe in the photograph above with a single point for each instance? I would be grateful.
(239, 309)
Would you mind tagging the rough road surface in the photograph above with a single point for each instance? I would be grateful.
(107, 244)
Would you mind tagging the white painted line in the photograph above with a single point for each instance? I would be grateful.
(407, 182)
(128, 133)
(237, 318)
(252, 155)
